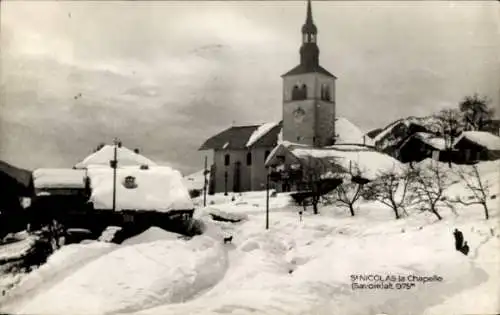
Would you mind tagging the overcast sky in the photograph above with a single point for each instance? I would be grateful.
(164, 76)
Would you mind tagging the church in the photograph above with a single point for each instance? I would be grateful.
(308, 118)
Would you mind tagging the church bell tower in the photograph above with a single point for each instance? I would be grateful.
(309, 94)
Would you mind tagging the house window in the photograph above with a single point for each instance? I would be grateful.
(249, 158)
(227, 160)
(129, 182)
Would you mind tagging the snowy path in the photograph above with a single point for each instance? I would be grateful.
(485, 257)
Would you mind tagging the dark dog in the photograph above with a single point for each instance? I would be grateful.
(228, 239)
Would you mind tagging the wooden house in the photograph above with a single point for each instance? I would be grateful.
(420, 146)
(473, 146)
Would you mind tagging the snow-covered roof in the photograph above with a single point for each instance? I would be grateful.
(244, 137)
(370, 163)
(438, 143)
(482, 138)
(349, 133)
(59, 178)
(260, 132)
(124, 155)
(159, 188)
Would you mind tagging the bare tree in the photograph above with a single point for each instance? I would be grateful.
(450, 125)
(479, 187)
(393, 190)
(430, 185)
(476, 111)
(347, 195)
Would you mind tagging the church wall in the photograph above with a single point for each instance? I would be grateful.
(258, 168)
(220, 169)
(318, 121)
(299, 130)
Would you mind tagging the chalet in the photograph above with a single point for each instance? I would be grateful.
(420, 146)
(100, 191)
(476, 146)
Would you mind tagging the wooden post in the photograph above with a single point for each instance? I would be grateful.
(225, 183)
(114, 165)
(267, 198)
(205, 183)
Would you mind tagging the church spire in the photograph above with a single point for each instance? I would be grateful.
(309, 27)
(309, 52)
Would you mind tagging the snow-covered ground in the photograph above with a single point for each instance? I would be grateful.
(295, 267)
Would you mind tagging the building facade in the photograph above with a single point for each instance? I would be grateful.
(309, 94)
(308, 111)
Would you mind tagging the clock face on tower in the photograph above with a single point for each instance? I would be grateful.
(299, 114)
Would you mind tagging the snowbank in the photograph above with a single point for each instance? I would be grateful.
(215, 212)
(18, 249)
(60, 264)
(158, 188)
(58, 178)
(136, 277)
(124, 157)
(151, 235)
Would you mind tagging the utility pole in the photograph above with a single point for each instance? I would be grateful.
(205, 183)
(225, 183)
(114, 164)
(267, 198)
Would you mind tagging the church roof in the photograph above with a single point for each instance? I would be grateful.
(244, 137)
(303, 68)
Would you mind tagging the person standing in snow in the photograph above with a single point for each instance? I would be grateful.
(459, 239)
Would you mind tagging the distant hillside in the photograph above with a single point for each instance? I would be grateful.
(389, 137)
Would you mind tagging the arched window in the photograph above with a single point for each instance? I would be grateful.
(227, 160)
(249, 158)
(325, 92)
(303, 93)
(295, 93)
